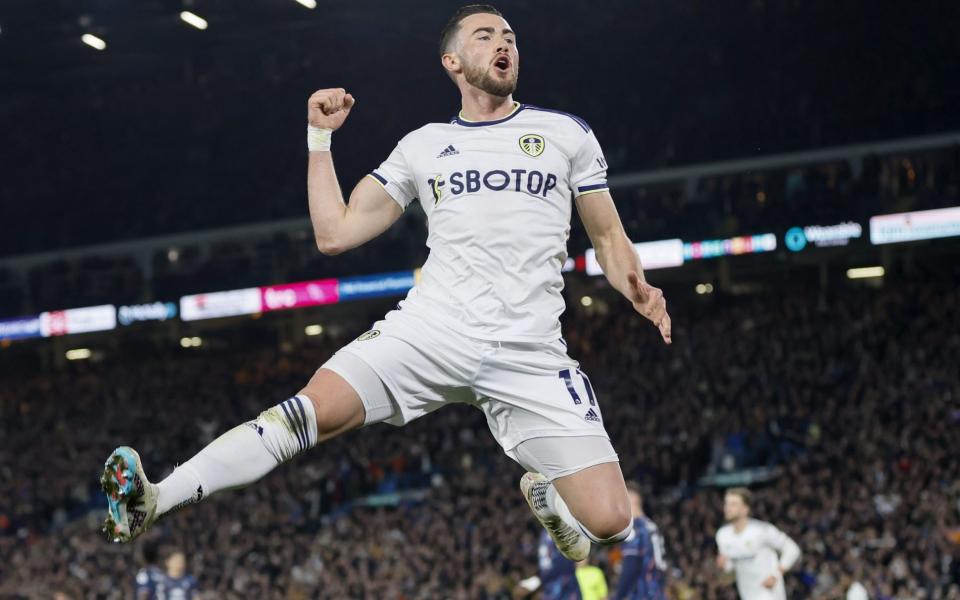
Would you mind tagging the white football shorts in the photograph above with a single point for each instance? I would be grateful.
(406, 367)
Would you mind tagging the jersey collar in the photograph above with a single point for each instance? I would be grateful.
(460, 120)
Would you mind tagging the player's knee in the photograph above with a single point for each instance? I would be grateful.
(336, 410)
(322, 410)
(329, 423)
(613, 531)
(611, 524)
(609, 532)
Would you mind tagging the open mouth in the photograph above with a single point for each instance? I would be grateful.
(502, 63)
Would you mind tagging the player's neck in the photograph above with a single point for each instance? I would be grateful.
(481, 106)
(740, 524)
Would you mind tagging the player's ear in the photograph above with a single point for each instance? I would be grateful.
(451, 63)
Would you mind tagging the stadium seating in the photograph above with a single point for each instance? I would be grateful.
(851, 399)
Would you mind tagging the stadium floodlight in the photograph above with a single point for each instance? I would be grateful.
(191, 19)
(313, 329)
(586, 301)
(93, 41)
(865, 272)
(308, 3)
(78, 354)
(191, 342)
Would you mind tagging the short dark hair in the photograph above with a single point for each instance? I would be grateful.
(745, 494)
(151, 550)
(453, 25)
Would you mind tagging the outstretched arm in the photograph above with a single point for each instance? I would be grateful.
(337, 225)
(619, 259)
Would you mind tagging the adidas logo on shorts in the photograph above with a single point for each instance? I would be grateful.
(448, 151)
(592, 416)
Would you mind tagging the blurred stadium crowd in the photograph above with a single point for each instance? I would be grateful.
(718, 206)
(853, 402)
(172, 131)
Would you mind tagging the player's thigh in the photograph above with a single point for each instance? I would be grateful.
(403, 369)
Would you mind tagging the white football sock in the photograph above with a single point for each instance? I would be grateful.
(556, 504)
(242, 455)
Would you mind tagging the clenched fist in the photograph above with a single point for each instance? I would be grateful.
(328, 109)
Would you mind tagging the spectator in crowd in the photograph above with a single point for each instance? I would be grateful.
(864, 380)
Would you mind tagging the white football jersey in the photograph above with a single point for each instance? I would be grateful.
(857, 592)
(756, 553)
(498, 197)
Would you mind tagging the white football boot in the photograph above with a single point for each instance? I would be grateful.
(571, 542)
(131, 498)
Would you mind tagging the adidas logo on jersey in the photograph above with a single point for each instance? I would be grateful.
(592, 416)
(448, 151)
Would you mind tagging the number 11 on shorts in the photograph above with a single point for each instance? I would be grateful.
(568, 379)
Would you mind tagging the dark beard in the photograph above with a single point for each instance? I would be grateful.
(480, 77)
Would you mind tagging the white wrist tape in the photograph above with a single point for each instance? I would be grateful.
(318, 139)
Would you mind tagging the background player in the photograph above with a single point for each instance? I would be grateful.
(593, 581)
(756, 551)
(481, 326)
(644, 566)
(147, 578)
(172, 583)
(556, 577)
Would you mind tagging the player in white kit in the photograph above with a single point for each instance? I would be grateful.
(497, 184)
(756, 551)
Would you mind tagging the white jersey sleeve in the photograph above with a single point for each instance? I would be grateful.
(396, 177)
(722, 534)
(857, 592)
(788, 549)
(589, 169)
